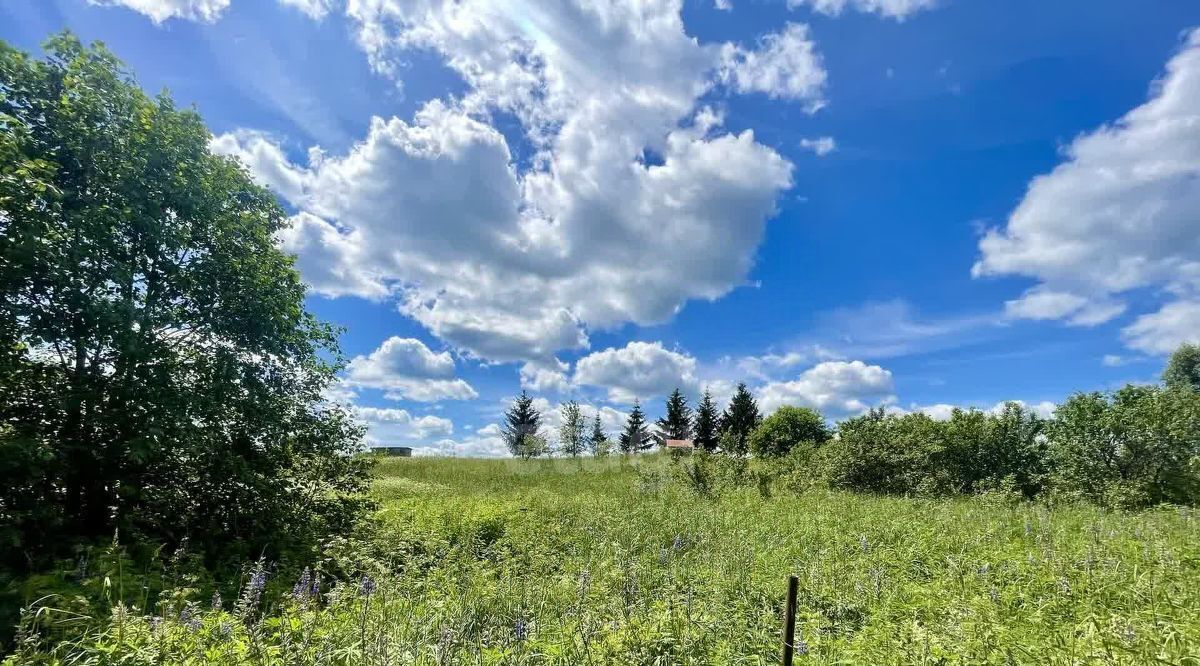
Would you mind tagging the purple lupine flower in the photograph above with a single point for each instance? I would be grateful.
(799, 646)
(520, 629)
(189, 619)
(225, 630)
(366, 586)
(677, 543)
(301, 588)
(258, 581)
(315, 590)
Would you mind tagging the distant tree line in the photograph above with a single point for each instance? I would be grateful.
(1138, 446)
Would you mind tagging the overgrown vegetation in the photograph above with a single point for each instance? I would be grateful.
(160, 378)
(618, 561)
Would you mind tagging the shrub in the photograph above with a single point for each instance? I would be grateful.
(985, 451)
(885, 453)
(780, 432)
(1139, 446)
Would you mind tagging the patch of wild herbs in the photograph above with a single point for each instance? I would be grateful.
(619, 561)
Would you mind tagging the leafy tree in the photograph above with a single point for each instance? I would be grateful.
(1183, 370)
(571, 429)
(1139, 446)
(158, 371)
(984, 451)
(522, 421)
(635, 438)
(677, 422)
(598, 441)
(706, 423)
(740, 419)
(788, 427)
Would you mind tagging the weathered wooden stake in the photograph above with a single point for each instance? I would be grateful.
(789, 621)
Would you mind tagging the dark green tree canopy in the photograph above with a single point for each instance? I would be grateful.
(158, 370)
(740, 419)
(598, 440)
(635, 437)
(705, 428)
(522, 421)
(1183, 369)
(677, 422)
(780, 432)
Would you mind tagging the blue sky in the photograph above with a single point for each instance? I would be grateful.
(843, 203)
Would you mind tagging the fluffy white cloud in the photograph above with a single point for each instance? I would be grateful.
(1118, 215)
(785, 65)
(514, 262)
(835, 388)
(314, 9)
(541, 376)
(265, 161)
(1163, 331)
(406, 369)
(161, 10)
(484, 443)
(723, 5)
(896, 9)
(1044, 303)
(387, 426)
(637, 370)
(822, 145)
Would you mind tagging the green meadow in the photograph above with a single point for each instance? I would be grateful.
(621, 561)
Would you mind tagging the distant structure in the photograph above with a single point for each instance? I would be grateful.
(395, 451)
(680, 445)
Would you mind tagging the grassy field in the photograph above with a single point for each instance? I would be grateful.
(614, 562)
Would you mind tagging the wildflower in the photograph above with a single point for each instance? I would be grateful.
(799, 646)
(984, 569)
(301, 588)
(520, 629)
(216, 601)
(1128, 634)
(994, 595)
(315, 590)
(366, 586)
(1064, 585)
(258, 580)
(678, 543)
(224, 630)
(189, 619)
(155, 623)
(863, 543)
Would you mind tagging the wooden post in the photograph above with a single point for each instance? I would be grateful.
(789, 621)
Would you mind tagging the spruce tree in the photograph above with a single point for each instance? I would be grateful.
(635, 438)
(740, 419)
(677, 423)
(571, 429)
(521, 421)
(598, 442)
(705, 429)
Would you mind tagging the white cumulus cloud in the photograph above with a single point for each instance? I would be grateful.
(388, 426)
(836, 388)
(637, 370)
(784, 65)
(205, 11)
(1118, 215)
(895, 9)
(406, 369)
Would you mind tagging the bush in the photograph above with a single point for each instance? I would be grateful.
(885, 453)
(1139, 446)
(788, 427)
(984, 451)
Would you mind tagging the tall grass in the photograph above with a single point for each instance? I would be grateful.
(616, 562)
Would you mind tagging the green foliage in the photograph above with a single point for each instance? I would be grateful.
(1183, 369)
(522, 422)
(677, 422)
(738, 421)
(788, 427)
(707, 419)
(571, 427)
(1139, 446)
(159, 374)
(885, 453)
(635, 437)
(572, 562)
(984, 451)
(598, 442)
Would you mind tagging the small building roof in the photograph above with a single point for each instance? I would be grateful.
(680, 444)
